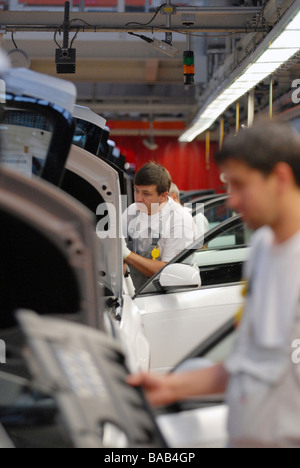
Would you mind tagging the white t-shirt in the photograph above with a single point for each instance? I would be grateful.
(260, 363)
(172, 226)
(171, 230)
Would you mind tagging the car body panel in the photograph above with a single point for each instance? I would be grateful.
(175, 323)
(23, 82)
(86, 114)
(200, 428)
(133, 338)
(105, 180)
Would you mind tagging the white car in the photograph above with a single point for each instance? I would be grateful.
(176, 317)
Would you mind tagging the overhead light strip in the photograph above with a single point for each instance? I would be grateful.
(260, 65)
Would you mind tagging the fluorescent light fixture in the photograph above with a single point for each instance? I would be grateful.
(261, 68)
(275, 56)
(269, 56)
(287, 40)
(294, 24)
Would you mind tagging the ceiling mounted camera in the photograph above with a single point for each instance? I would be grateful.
(65, 60)
(65, 56)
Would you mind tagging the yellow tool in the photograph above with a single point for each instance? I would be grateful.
(155, 253)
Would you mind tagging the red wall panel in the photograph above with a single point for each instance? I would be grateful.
(186, 162)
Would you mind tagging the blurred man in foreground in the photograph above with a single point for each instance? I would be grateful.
(262, 380)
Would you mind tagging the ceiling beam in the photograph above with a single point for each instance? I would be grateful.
(190, 19)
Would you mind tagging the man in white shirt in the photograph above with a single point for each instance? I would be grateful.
(200, 220)
(155, 228)
(262, 374)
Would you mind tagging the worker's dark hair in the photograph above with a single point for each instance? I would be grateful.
(263, 146)
(154, 174)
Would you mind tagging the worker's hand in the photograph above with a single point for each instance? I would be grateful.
(158, 389)
(125, 251)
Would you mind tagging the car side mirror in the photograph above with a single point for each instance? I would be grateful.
(178, 276)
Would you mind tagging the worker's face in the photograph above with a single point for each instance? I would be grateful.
(148, 199)
(252, 194)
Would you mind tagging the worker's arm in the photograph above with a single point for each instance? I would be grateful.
(143, 265)
(167, 389)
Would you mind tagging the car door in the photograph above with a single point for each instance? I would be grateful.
(96, 185)
(175, 322)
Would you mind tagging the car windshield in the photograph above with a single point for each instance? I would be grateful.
(25, 140)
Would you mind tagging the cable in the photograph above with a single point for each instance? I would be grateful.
(13, 39)
(145, 38)
(74, 38)
(149, 22)
(55, 40)
(82, 21)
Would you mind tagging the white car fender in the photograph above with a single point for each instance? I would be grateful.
(133, 337)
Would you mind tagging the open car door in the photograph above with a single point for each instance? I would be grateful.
(96, 185)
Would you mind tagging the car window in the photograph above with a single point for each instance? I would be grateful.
(79, 138)
(220, 261)
(87, 136)
(217, 213)
(25, 140)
